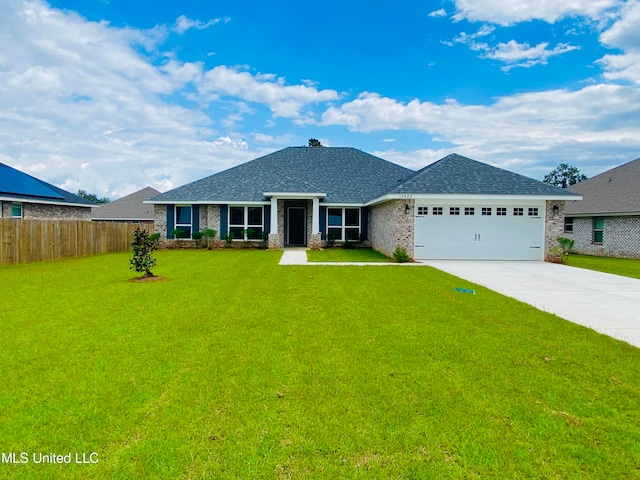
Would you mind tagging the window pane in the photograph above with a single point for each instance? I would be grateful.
(469, 211)
(518, 212)
(597, 236)
(352, 234)
(183, 215)
(501, 211)
(352, 217)
(236, 231)
(236, 216)
(454, 211)
(255, 216)
(335, 233)
(256, 234)
(598, 223)
(437, 210)
(568, 224)
(16, 210)
(335, 216)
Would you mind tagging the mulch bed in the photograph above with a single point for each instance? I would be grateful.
(147, 279)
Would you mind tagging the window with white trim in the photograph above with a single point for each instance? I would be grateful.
(568, 224)
(454, 210)
(437, 210)
(16, 210)
(533, 212)
(469, 211)
(423, 210)
(343, 223)
(246, 221)
(501, 211)
(184, 220)
(598, 230)
(486, 211)
(518, 212)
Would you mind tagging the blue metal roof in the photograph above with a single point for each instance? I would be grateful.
(14, 182)
(17, 184)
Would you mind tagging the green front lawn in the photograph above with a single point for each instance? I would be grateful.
(619, 266)
(347, 255)
(236, 367)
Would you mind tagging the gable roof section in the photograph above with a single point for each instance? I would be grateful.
(20, 186)
(455, 174)
(129, 207)
(345, 175)
(616, 191)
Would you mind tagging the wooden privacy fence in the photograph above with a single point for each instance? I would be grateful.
(23, 241)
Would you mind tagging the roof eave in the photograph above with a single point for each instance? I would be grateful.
(466, 196)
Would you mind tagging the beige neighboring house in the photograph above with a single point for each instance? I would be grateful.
(607, 221)
(23, 197)
(130, 208)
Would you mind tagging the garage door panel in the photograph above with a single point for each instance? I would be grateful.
(479, 237)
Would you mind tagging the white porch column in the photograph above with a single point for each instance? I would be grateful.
(315, 216)
(274, 216)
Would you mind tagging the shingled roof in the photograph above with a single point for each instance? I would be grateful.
(129, 207)
(345, 175)
(616, 191)
(19, 186)
(455, 174)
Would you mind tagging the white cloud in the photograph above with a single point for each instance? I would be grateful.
(529, 126)
(625, 35)
(267, 89)
(512, 53)
(515, 54)
(507, 12)
(438, 13)
(183, 24)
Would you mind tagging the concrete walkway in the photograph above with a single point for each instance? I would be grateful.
(609, 304)
(299, 257)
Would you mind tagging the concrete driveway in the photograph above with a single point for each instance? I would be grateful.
(609, 304)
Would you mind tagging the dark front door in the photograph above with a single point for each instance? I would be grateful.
(297, 226)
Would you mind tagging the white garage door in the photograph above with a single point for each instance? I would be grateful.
(479, 232)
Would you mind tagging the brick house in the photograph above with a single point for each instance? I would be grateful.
(455, 208)
(607, 221)
(25, 197)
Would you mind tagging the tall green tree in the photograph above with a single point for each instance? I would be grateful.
(564, 175)
(92, 197)
(314, 142)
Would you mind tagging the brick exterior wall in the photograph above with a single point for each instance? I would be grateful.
(553, 228)
(621, 237)
(160, 221)
(391, 227)
(41, 211)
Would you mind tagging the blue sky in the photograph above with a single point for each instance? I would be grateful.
(111, 96)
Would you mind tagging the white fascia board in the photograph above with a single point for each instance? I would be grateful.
(459, 197)
(204, 202)
(45, 202)
(295, 195)
(352, 205)
(616, 214)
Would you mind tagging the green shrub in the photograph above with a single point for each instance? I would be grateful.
(566, 244)
(228, 239)
(400, 255)
(179, 234)
(154, 237)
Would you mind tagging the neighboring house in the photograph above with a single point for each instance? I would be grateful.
(456, 208)
(130, 208)
(25, 197)
(607, 221)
